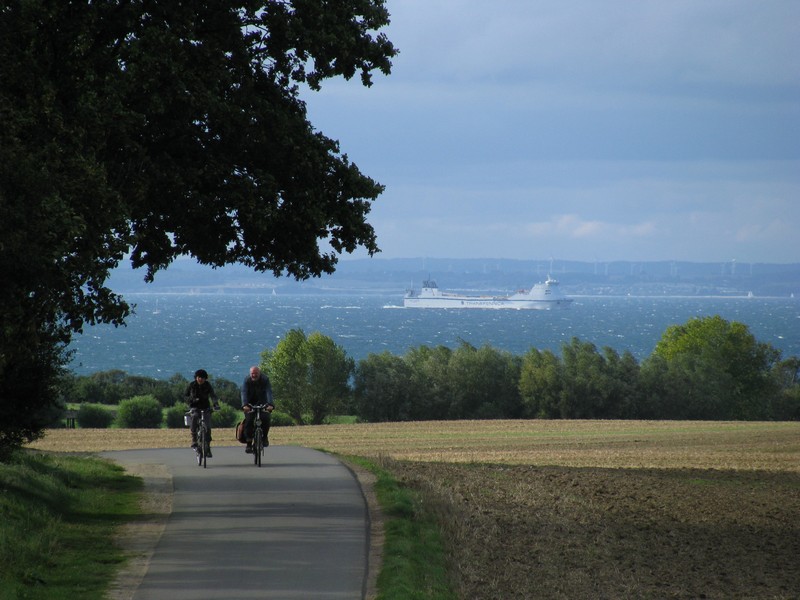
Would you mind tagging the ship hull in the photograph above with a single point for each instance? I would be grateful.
(542, 296)
(470, 302)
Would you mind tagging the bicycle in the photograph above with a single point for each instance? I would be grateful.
(203, 448)
(258, 434)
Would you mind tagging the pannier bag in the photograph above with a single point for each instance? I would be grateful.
(240, 432)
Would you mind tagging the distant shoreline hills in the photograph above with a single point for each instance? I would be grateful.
(395, 276)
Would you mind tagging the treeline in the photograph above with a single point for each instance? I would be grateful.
(112, 387)
(706, 369)
(720, 377)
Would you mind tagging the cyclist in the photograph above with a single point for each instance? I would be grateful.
(199, 395)
(256, 389)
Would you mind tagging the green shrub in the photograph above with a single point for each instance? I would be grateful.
(281, 419)
(174, 415)
(226, 416)
(140, 412)
(94, 416)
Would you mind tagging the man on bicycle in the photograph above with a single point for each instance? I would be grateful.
(199, 394)
(256, 389)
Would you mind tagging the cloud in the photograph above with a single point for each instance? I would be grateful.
(643, 130)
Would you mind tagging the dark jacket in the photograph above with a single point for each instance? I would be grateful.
(199, 395)
(257, 392)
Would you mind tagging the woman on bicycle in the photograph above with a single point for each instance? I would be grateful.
(199, 395)
(256, 389)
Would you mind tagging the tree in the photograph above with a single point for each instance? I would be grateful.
(286, 367)
(787, 376)
(381, 388)
(715, 370)
(155, 130)
(309, 375)
(329, 372)
(430, 385)
(540, 383)
(484, 383)
(587, 386)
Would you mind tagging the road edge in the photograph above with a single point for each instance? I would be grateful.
(375, 527)
(139, 538)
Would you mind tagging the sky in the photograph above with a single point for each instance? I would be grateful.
(581, 130)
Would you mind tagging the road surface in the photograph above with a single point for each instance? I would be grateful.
(298, 527)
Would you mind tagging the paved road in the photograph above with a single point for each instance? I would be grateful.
(297, 527)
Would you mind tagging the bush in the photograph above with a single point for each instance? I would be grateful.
(140, 412)
(226, 416)
(281, 419)
(94, 416)
(174, 415)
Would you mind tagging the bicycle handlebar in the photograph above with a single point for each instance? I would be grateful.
(194, 409)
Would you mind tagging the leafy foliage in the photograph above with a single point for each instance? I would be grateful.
(94, 416)
(141, 412)
(381, 388)
(226, 416)
(29, 383)
(156, 130)
(286, 366)
(540, 383)
(310, 375)
(484, 383)
(706, 369)
(173, 416)
(717, 369)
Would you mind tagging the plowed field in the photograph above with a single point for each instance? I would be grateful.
(580, 509)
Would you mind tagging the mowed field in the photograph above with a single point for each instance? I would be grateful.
(578, 509)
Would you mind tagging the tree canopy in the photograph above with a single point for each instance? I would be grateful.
(148, 131)
(309, 375)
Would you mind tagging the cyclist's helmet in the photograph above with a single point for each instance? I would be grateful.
(201, 373)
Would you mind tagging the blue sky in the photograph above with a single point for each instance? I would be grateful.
(581, 130)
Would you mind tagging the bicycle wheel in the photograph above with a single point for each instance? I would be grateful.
(258, 446)
(201, 447)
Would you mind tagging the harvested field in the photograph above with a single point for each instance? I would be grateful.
(580, 509)
(612, 444)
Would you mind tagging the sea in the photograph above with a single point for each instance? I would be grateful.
(226, 333)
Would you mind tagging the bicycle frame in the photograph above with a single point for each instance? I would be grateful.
(202, 436)
(258, 434)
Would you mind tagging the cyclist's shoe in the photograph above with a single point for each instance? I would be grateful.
(266, 442)
(249, 448)
(208, 453)
(194, 445)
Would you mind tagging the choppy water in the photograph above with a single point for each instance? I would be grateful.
(225, 334)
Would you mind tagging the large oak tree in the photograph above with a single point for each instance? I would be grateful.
(153, 130)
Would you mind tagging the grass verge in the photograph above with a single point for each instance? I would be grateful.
(58, 517)
(414, 565)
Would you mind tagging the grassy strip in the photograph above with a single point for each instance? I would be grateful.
(414, 564)
(58, 516)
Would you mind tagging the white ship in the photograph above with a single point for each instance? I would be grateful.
(542, 296)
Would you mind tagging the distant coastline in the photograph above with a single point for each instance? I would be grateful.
(389, 276)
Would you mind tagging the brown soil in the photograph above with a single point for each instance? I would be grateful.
(522, 532)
